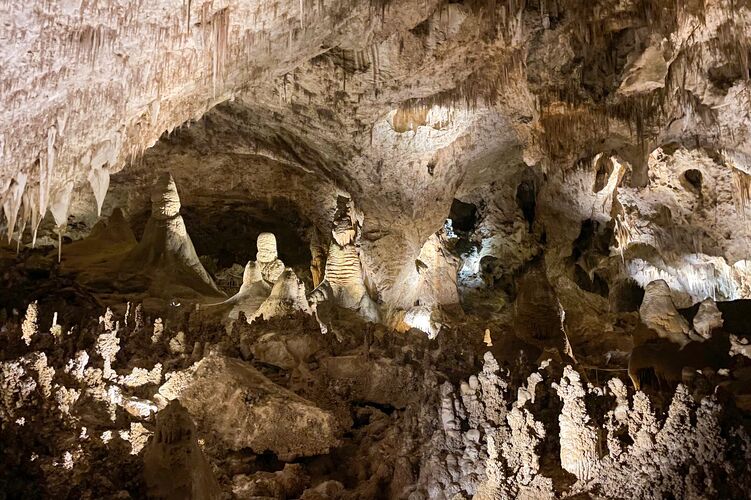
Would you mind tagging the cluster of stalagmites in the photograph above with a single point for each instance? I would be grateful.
(166, 263)
(92, 402)
(166, 257)
(491, 444)
(268, 287)
(487, 437)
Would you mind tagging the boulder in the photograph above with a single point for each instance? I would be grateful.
(238, 408)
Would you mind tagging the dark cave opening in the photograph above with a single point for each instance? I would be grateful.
(463, 216)
(693, 179)
(226, 232)
(526, 200)
(625, 296)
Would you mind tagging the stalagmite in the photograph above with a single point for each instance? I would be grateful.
(107, 346)
(30, 326)
(487, 339)
(523, 223)
(343, 284)
(56, 330)
(158, 331)
(174, 466)
(267, 259)
(578, 437)
(287, 296)
(166, 254)
(259, 278)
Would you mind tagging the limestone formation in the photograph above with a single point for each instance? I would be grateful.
(253, 292)
(658, 312)
(708, 318)
(240, 408)
(572, 178)
(740, 346)
(174, 466)
(165, 253)
(286, 297)
(260, 278)
(578, 437)
(30, 325)
(343, 284)
(110, 237)
(267, 258)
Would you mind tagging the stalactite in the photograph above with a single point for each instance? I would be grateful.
(59, 206)
(26, 209)
(99, 179)
(623, 233)
(34, 215)
(12, 202)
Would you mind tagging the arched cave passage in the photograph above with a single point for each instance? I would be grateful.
(587, 317)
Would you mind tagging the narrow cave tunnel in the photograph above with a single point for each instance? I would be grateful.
(392, 249)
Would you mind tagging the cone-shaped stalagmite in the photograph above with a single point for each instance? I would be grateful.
(174, 467)
(166, 254)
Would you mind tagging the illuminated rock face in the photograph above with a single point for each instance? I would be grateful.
(243, 409)
(287, 297)
(253, 292)
(659, 313)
